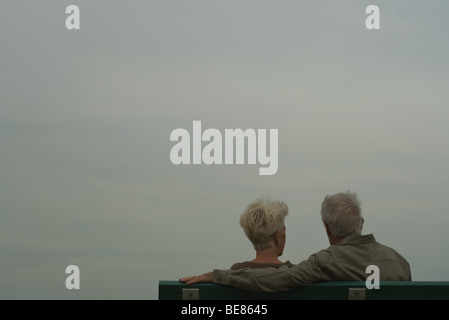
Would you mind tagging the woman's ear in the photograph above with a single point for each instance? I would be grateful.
(277, 236)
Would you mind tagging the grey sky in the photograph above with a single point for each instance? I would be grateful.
(86, 116)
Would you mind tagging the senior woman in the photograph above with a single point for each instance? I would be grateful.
(263, 223)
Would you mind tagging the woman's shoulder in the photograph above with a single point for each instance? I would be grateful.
(255, 265)
(289, 264)
(242, 265)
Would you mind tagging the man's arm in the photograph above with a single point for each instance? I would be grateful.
(271, 279)
(265, 279)
(205, 277)
(261, 279)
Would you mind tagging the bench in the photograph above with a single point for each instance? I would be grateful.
(344, 290)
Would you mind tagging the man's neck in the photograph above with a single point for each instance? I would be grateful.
(333, 240)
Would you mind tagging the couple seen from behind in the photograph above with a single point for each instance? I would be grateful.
(345, 259)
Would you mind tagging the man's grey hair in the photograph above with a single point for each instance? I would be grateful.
(261, 219)
(342, 213)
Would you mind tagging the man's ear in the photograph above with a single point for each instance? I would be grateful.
(361, 227)
(327, 229)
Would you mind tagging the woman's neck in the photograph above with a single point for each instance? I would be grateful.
(266, 256)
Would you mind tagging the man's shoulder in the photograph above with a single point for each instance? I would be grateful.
(391, 251)
(353, 246)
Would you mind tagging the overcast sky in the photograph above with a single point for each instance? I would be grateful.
(86, 117)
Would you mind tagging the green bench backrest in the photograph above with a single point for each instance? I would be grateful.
(394, 290)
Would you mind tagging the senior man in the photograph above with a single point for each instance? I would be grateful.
(345, 259)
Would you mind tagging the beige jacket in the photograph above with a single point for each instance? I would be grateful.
(344, 261)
